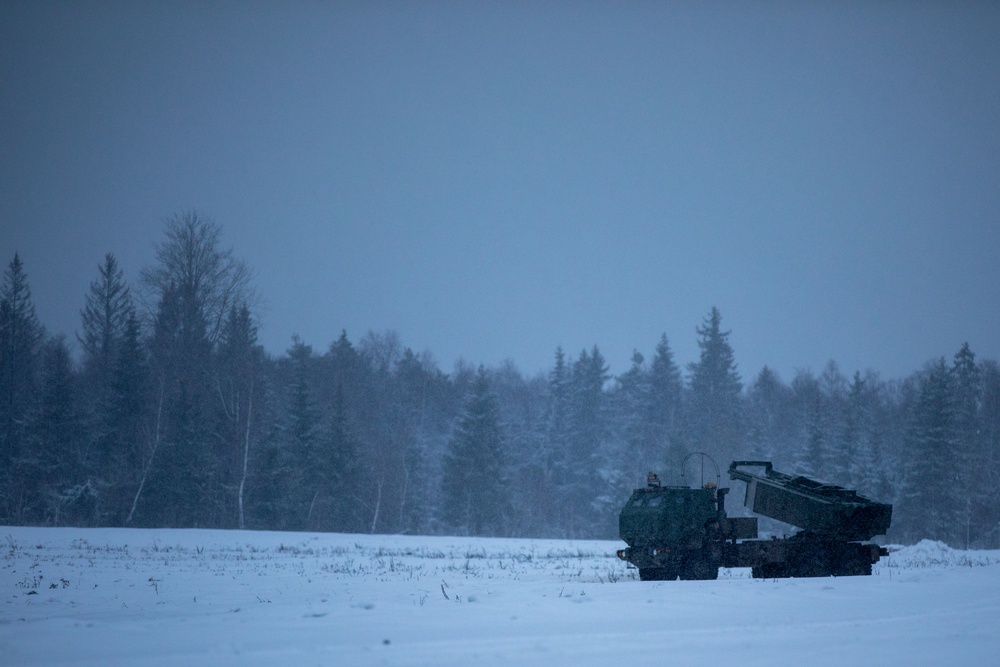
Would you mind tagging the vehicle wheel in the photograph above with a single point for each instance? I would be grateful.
(860, 570)
(656, 574)
(697, 569)
(812, 562)
(852, 565)
(768, 571)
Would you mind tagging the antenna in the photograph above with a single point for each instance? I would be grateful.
(703, 457)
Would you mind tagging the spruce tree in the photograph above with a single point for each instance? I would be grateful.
(522, 406)
(769, 423)
(633, 424)
(808, 455)
(666, 389)
(715, 414)
(968, 398)
(835, 458)
(343, 463)
(855, 434)
(21, 338)
(873, 473)
(105, 320)
(986, 492)
(588, 430)
(473, 484)
(53, 465)
(345, 374)
(422, 429)
(303, 480)
(927, 507)
(178, 489)
(552, 456)
(132, 423)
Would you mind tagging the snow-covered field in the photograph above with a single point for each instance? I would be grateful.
(193, 597)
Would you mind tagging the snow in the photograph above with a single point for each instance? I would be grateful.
(202, 597)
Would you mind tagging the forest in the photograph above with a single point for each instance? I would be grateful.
(166, 412)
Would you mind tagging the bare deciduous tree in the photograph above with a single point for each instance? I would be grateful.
(191, 260)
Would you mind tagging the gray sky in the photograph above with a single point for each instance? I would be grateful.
(493, 180)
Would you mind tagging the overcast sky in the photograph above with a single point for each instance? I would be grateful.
(494, 180)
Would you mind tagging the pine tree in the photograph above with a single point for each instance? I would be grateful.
(552, 456)
(105, 320)
(841, 440)
(588, 429)
(178, 490)
(715, 416)
(855, 434)
(808, 454)
(21, 339)
(769, 419)
(927, 507)
(524, 412)
(335, 471)
(558, 420)
(474, 481)
(132, 426)
(633, 417)
(873, 473)
(863, 438)
(968, 398)
(986, 492)
(350, 482)
(53, 466)
(423, 430)
(345, 471)
(666, 390)
(303, 486)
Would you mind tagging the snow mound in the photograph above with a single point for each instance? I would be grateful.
(934, 553)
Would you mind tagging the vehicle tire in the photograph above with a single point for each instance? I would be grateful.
(860, 570)
(657, 574)
(768, 571)
(812, 561)
(852, 563)
(698, 569)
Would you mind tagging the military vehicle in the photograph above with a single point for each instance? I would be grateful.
(678, 531)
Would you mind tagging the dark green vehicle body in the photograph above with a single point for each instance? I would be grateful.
(668, 527)
(675, 531)
(667, 515)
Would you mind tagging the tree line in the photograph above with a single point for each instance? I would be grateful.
(172, 415)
